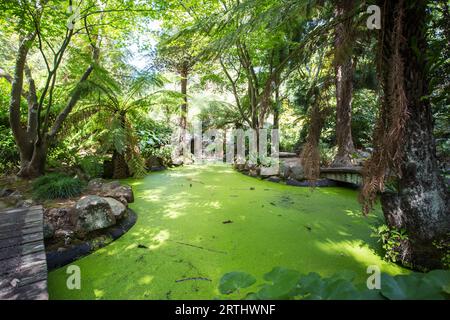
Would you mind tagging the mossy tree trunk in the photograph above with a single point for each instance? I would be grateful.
(343, 66)
(420, 202)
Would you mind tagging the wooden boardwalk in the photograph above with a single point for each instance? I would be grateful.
(23, 266)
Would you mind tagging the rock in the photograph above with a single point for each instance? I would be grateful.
(287, 155)
(364, 154)
(117, 208)
(62, 218)
(5, 192)
(67, 235)
(14, 199)
(291, 168)
(94, 213)
(253, 173)
(26, 203)
(297, 172)
(106, 187)
(16, 194)
(95, 184)
(111, 189)
(154, 161)
(122, 193)
(49, 230)
(274, 179)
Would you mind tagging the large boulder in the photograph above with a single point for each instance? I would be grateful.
(95, 184)
(291, 168)
(111, 189)
(118, 209)
(94, 213)
(61, 218)
(122, 193)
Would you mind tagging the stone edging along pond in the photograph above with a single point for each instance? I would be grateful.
(57, 259)
(291, 182)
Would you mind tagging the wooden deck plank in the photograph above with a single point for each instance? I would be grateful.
(16, 233)
(32, 291)
(22, 250)
(26, 276)
(19, 210)
(21, 219)
(19, 263)
(23, 265)
(18, 228)
(20, 239)
(29, 216)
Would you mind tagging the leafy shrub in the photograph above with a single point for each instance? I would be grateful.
(9, 154)
(444, 246)
(62, 154)
(282, 283)
(154, 140)
(391, 240)
(327, 153)
(92, 165)
(56, 186)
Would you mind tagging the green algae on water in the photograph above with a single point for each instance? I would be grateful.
(180, 246)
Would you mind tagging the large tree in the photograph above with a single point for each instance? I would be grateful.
(343, 67)
(50, 30)
(415, 198)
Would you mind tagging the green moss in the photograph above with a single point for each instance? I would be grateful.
(181, 234)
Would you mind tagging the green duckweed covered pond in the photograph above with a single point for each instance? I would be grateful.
(197, 223)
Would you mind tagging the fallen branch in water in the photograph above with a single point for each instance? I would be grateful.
(189, 279)
(198, 247)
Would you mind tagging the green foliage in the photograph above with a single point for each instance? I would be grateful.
(433, 285)
(391, 240)
(287, 284)
(327, 153)
(62, 154)
(282, 284)
(9, 155)
(154, 140)
(56, 186)
(234, 281)
(444, 247)
(92, 165)
(364, 117)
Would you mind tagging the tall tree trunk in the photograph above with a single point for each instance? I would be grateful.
(119, 162)
(183, 115)
(120, 166)
(343, 67)
(310, 154)
(277, 109)
(420, 204)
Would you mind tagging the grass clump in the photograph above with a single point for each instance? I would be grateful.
(56, 186)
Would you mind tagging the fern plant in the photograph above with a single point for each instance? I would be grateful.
(108, 120)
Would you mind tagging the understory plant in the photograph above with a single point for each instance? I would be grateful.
(9, 154)
(110, 120)
(287, 284)
(56, 186)
(444, 246)
(391, 240)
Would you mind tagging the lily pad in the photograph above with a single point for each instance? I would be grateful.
(234, 281)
